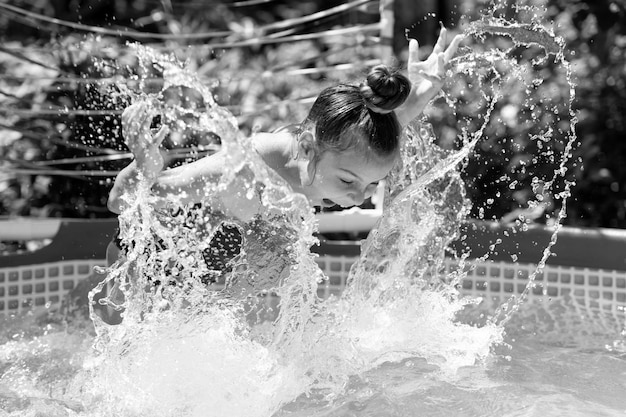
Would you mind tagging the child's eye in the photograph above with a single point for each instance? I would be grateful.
(346, 181)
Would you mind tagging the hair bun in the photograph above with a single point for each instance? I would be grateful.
(384, 89)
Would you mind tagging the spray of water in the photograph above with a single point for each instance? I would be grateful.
(192, 336)
(186, 346)
(529, 30)
(201, 340)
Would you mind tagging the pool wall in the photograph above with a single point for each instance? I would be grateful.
(588, 265)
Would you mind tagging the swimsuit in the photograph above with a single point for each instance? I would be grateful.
(264, 263)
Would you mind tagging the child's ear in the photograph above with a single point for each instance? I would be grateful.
(306, 146)
(307, 152)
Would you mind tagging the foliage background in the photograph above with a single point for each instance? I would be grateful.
(48, 67)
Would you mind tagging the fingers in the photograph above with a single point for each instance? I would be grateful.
(137, 117)
(452, 48)
(128, 114)
(413, 51)
(441, 41)
(144, 115)
(437, 49)
(160, 135)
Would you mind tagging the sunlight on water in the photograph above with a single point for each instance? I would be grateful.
(197, 340)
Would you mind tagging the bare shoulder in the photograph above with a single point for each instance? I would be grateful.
(270, 141)
(274, 147)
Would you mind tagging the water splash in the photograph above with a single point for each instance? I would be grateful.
(199, 341)
(172, 300)
(180, 336)
(401, 300)
(528, 30)
(525, 34)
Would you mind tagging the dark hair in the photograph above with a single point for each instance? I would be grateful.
(347, 115)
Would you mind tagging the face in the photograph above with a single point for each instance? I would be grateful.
(344, 178)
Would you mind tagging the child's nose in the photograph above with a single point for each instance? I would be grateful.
(358, 197)
(370, 190)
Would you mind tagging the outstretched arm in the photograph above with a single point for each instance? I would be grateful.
(188, 184)
(426, 76)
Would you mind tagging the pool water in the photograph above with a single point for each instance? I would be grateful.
(554, 361)
(538, 380)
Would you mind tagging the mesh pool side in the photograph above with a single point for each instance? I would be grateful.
(605, 289)
(601, 287)
(602, 291)
(590, 266)
(31, 286)
(28, 286)
(595, 293)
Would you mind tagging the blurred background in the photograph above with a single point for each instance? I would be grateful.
(63, 63)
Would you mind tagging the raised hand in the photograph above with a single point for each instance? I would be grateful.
(136, 121)
(427, 76)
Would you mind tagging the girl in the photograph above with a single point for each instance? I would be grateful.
(348, 143)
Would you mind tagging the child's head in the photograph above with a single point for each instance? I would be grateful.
(351, 137)
(360, 116)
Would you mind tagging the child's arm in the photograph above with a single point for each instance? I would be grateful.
(189, 183)
(426, 76)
